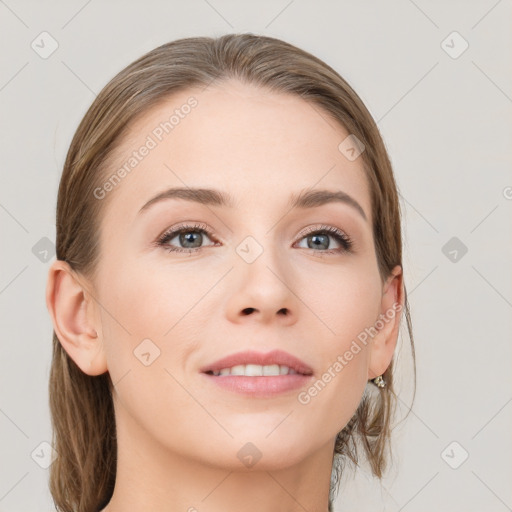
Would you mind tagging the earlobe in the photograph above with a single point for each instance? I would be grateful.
(75, 323)
(387, 324)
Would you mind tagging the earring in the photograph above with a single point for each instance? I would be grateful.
(379, 381)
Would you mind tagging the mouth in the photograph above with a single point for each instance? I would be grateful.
(257, 364)
(255, 370)
(259, 375)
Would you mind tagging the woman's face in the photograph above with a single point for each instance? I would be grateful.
(255, 276)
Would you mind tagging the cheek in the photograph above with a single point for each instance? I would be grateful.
(343, 300)
(147, 339)
(150, 314)
(344, 304)
(149, 300)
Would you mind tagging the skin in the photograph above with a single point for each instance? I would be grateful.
(179, 435)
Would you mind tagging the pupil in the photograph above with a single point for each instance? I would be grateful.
(316, 238)
(189, 237)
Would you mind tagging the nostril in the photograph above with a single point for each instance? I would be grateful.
(248, 311)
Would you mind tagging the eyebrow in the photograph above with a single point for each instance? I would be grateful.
(305, 199)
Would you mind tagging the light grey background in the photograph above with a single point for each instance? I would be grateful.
(445, 119)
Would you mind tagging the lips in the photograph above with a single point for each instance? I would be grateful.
(252, 357)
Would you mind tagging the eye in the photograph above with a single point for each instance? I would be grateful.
(188, 238)
(191, 238)
(318, 239)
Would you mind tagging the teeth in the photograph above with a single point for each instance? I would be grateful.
(256, 370)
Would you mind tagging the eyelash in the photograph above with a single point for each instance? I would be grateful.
(344, 240)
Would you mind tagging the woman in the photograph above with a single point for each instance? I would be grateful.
(228, 288)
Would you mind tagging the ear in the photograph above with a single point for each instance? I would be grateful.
(75, 318)
(387, 324)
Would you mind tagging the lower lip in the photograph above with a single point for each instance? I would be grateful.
(262, 386)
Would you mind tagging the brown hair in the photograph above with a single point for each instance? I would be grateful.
(82, 476)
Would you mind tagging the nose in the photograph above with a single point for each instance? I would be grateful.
(262, 291)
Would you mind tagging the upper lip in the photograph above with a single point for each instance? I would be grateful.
(251, 357)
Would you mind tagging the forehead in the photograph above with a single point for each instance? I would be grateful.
(253, 143)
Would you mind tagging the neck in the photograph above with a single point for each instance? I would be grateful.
(154, 478)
